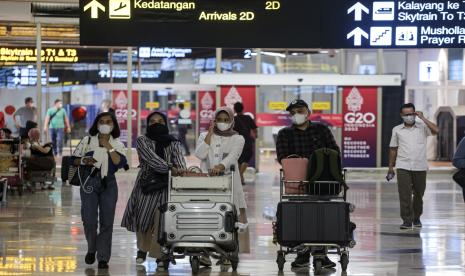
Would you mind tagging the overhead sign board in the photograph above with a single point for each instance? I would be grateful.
(274, 23)
(199, 23)
(159, 52)
(29, 55)
(395, 24)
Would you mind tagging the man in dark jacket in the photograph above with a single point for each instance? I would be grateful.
(303, 138)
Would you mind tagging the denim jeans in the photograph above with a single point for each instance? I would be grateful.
(98, 207)
(57, 135)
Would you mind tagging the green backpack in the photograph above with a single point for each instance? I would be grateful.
(325, 165)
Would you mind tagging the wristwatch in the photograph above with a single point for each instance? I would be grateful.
(112, 150)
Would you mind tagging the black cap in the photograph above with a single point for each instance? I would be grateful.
(297, 103)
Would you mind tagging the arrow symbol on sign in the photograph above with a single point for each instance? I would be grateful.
(94, 6)
(357, 33)
(16, 72)
(357, 9)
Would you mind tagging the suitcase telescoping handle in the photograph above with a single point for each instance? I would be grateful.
(232, 168)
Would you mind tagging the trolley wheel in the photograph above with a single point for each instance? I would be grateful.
(318, 266)
(195, 265)
(344, 261)
(281, 260)
(224, 268)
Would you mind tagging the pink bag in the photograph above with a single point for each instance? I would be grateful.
(295, 169)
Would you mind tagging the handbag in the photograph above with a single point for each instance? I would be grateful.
(295, 172)
(82, 176)
(155, 183)
(73, 169)
(459, 178)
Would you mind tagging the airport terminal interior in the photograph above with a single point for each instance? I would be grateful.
(342, 70)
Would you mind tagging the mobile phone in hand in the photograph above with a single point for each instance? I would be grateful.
(390, 176)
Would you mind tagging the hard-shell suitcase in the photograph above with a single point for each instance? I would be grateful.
(201, 189)
(199, 222)
(222, 183)
(301, 222)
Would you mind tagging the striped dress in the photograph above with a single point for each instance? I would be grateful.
(140, 210)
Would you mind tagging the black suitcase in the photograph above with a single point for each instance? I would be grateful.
(301, 222)
(65, 163)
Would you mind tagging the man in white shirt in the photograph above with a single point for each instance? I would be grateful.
(408, 155)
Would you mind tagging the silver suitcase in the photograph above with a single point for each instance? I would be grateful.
(199, 225)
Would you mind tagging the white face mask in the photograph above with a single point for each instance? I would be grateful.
(105, 129)
(223, 126)
(409, 120)
(299, 119)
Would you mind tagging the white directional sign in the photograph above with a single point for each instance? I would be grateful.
(94, 7)
(380, 36)
(400, 23)
(406, 36)
(357, 34)
(358, 9)
(383, 11)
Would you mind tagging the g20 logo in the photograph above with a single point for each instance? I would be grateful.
(123, 113)
(206, 113)
(359, 118)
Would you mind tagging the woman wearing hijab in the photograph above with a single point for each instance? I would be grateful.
(218, 149)
(103, 153)
(157, 151)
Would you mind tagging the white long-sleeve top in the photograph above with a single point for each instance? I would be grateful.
(226, 151)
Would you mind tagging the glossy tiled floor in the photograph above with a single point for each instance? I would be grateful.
(42, 233)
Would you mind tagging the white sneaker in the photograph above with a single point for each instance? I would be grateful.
(241, 227)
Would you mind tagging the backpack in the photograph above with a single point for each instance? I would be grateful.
(325, 165)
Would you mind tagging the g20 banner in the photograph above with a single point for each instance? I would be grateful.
(244, 94)
(120, 103)
(206, 109)
(359, 132)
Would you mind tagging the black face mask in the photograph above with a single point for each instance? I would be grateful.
(157, 130)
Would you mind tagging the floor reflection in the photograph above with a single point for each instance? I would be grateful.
(41, 233)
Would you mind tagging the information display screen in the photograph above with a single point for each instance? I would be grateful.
(200, 23)
(274, 24)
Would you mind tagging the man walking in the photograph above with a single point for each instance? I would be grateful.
(26, 113)
(303, 138)
(408, 155)
(246, 127)
(57, 122)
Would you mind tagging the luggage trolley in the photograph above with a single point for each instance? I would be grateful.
(200, 219)
(10, 164)
(301, 224)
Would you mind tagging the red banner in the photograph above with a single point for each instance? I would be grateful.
(244, 94)
(120, 102)
(206, 109)
(283, 119)
(359, 133)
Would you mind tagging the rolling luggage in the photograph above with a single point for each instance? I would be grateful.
(199, 222)
(65, 163)
(313, 222)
